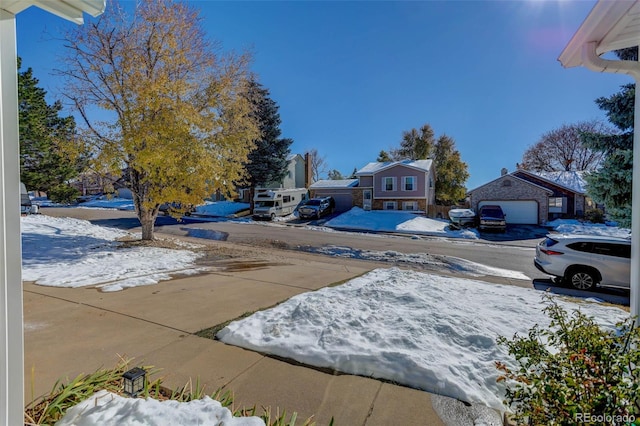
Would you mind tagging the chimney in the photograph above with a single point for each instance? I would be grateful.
(504, 171)
(307, 170)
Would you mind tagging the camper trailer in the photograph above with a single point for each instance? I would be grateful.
(26, 207)
(269, 203)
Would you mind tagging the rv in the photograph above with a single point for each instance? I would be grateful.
(269, 203)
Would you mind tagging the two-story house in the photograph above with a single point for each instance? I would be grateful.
(397, 185)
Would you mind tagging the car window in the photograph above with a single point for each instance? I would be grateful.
(584, 246)
(548, 242)
(612, 249)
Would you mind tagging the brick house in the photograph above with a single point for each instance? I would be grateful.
(534, 198)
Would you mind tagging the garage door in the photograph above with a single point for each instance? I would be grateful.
(344, 201)
(518, 212)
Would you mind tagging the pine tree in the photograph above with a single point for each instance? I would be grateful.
(335, 175)
(268, 162)
(415, 144)
(44, 164)
(611, 184)
(383, 157)
(451, 172)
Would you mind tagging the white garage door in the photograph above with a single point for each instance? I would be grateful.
(518, 212)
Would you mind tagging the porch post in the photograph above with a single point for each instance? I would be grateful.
(11, 338)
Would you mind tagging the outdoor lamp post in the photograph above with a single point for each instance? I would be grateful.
(134, 381)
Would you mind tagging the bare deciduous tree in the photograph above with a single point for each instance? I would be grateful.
(319, 165)
(563, 149)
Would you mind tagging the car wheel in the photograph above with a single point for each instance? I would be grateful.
(273, 216)
(582, 279)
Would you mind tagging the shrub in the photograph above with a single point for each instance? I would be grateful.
(594, 216)
(574, 372)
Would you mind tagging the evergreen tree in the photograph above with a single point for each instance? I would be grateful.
(611, 184)
(335, 175)
(383, 157)
(451, 172)
(268, 162)
(44, 164)
(353, 173)
(415, 144)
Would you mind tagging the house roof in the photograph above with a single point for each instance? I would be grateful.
(340, 183)
(572, 180)
(611, 25)
(512, 177)
(375, 167)
(292, 157)
(68, 9)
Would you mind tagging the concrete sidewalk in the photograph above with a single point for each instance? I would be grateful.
(76, 331)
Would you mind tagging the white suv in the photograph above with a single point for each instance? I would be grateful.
(585, 260)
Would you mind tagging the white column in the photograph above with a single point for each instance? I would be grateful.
(635, 211)
(11, 337)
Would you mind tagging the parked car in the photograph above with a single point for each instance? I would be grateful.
(491, 217)
(316, 208)
(585, 260)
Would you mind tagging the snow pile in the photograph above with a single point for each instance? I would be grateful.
(397, 221)
(106, 409)
(573, 226)
(220, 208)
(425, 331)
(105, 202)
(64, 252)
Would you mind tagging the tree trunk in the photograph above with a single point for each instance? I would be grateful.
(147, 220)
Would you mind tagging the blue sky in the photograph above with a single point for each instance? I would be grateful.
(350, 77)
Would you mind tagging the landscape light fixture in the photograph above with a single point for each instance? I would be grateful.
(134, 381)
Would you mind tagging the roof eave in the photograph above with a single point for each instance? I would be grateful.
(610, 24)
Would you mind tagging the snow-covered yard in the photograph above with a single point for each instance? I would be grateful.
(424, 330)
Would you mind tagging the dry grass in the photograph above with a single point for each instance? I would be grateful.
(50, 408)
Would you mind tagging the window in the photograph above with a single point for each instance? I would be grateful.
(390, 205)
(430, 183)
(409, 183)
(287, 199)
(557, 205)
(410, 205)
(506, 182)
(388, 183)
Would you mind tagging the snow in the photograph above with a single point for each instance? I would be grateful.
(106, 202)
(65, 252)
(422, 330)
(573, 226)
(448, 263)
(335, 183)
(108, 409)
(574, 180)
(220, 208)
(397, 221)
(377, 166)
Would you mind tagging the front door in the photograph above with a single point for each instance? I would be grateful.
(366, 199)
